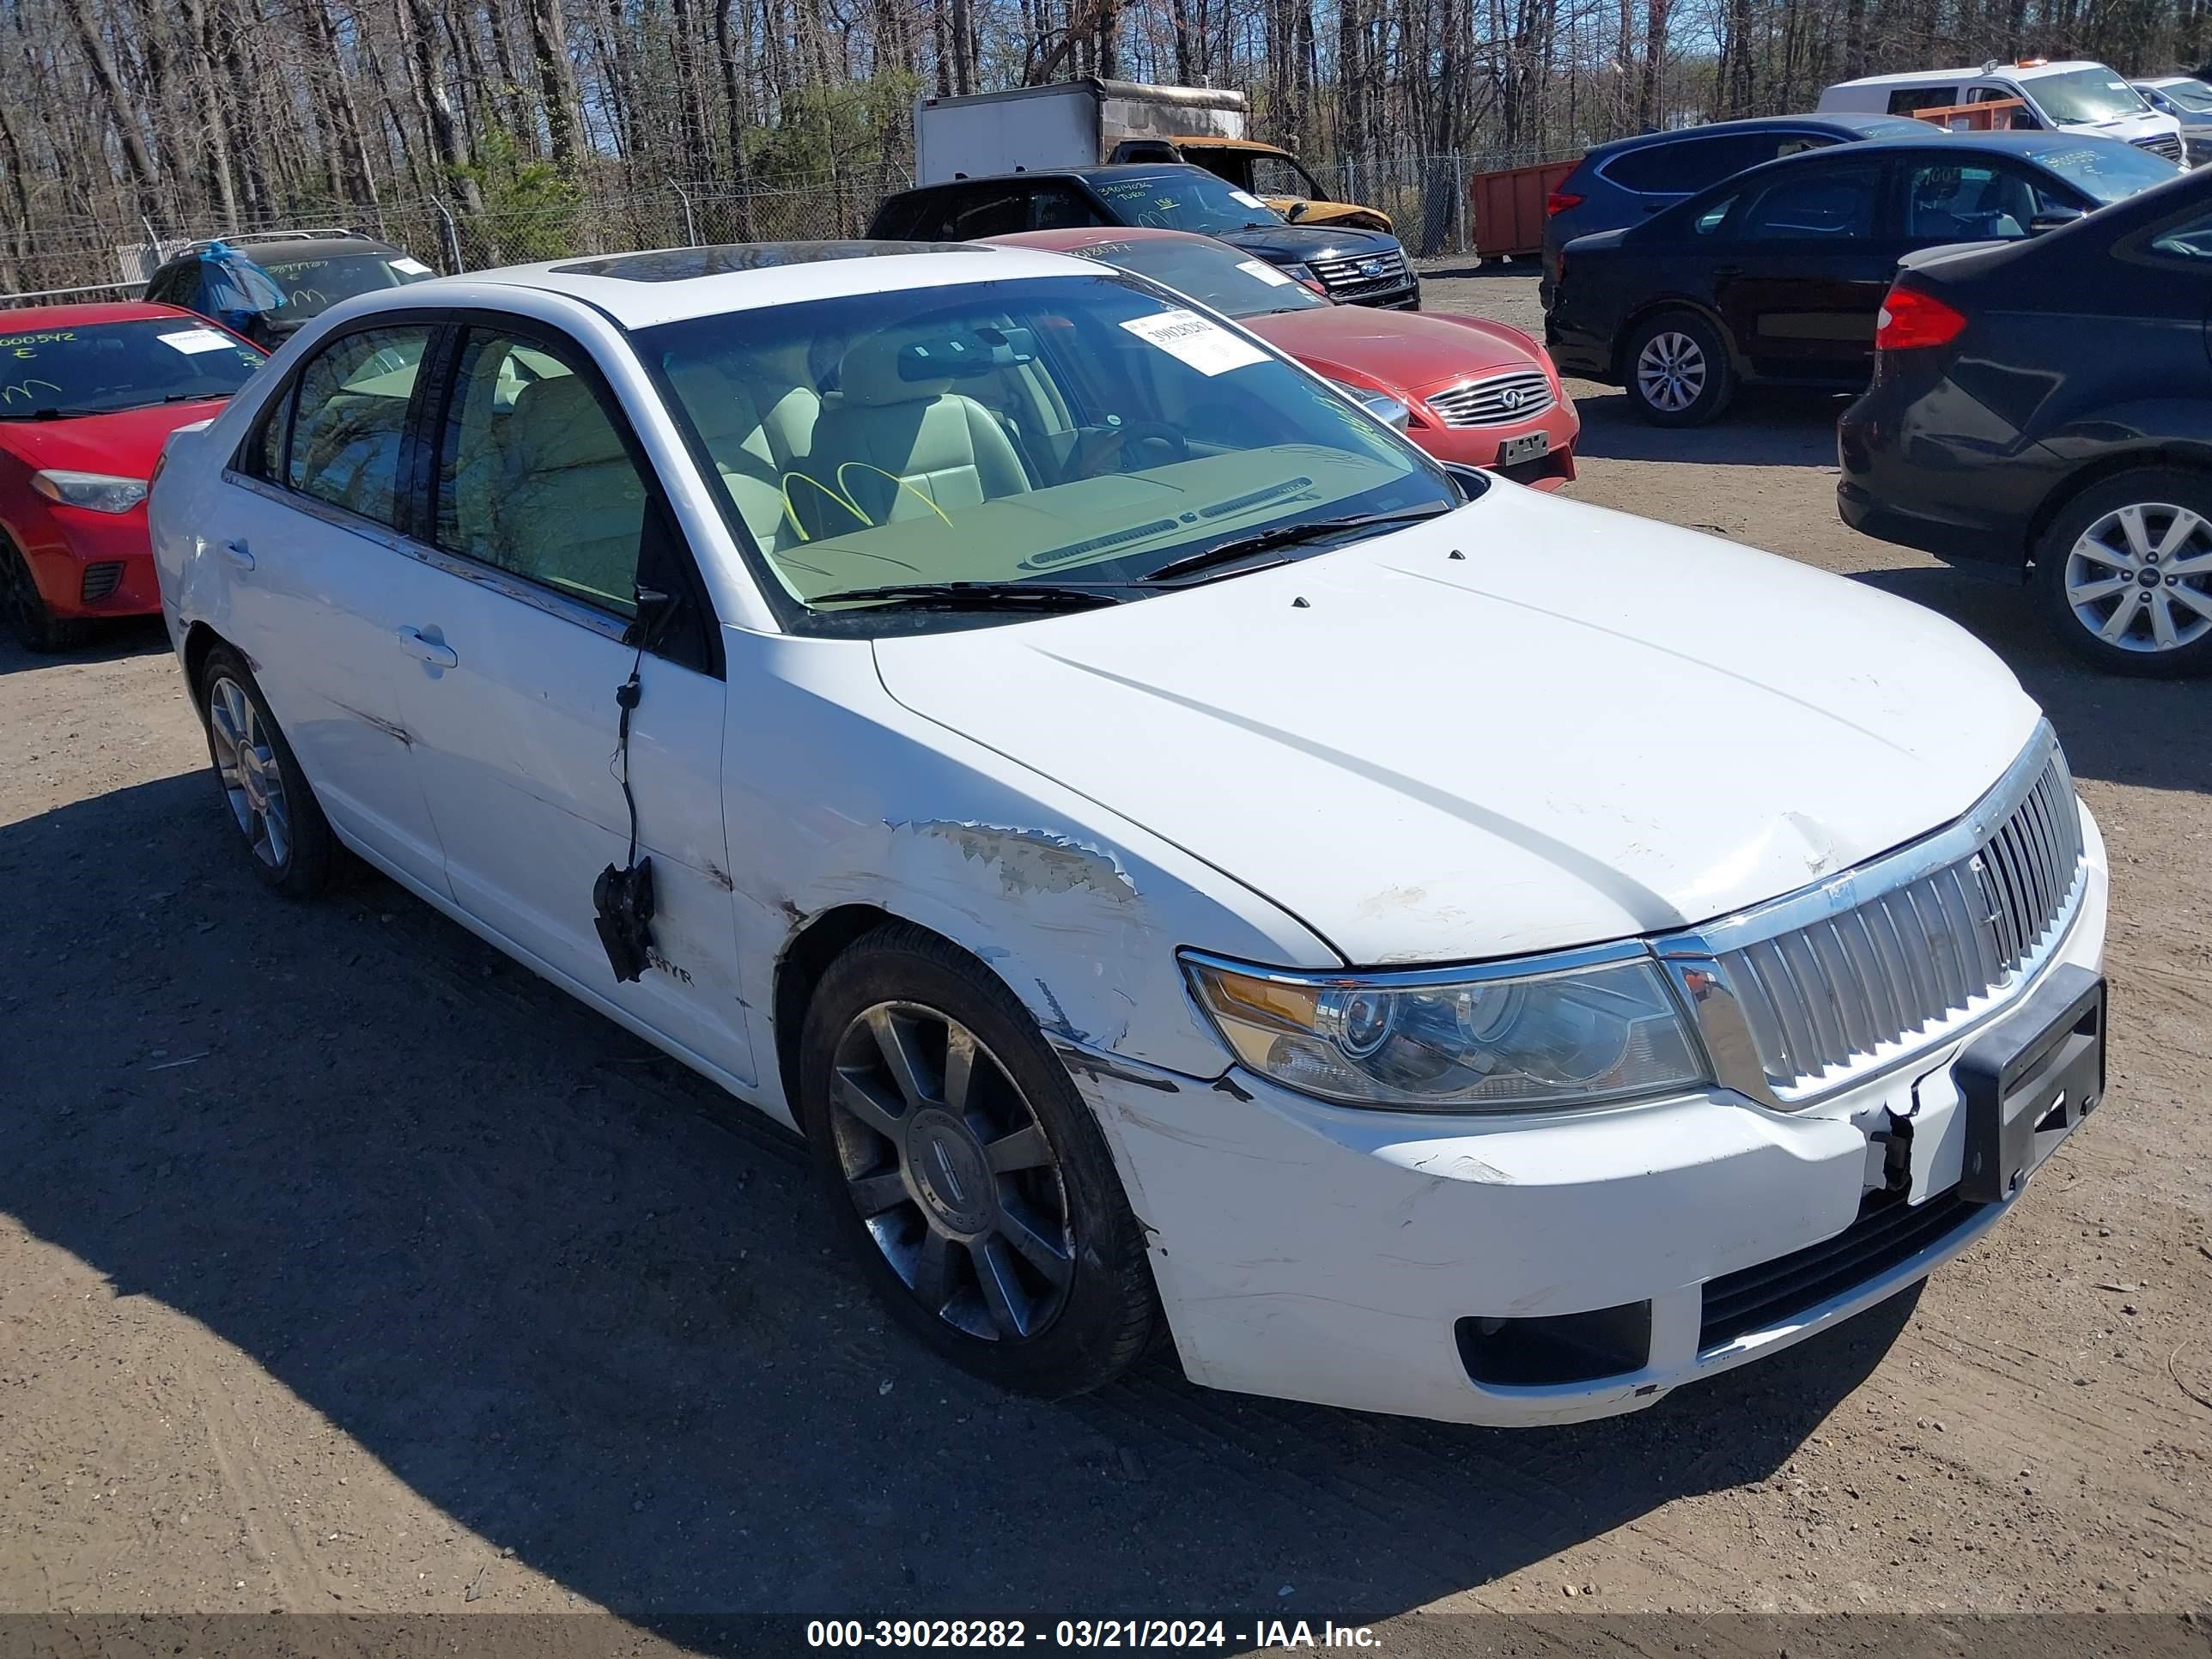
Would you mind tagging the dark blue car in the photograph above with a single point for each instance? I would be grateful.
(1628, 180)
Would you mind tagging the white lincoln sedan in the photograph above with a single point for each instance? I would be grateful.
(1190, 867)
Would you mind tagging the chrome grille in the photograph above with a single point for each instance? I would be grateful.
(1498, 401)
(1897, 956)
(2165, 144)
(1362, 275)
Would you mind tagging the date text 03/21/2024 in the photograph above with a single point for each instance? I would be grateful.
(1085, 1634)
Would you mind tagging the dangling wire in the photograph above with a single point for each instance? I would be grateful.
(626, 697)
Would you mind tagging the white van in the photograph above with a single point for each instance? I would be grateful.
(2076, 96)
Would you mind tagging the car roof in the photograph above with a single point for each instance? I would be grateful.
(1103, 170)
(664, 285)
(2167, 80)
(1091, 236)
(1974, 72)
(1864, 123)
(15, 318)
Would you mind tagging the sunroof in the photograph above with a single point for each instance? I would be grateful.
(678, 264)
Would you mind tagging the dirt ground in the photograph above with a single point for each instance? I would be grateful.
(346, 1267)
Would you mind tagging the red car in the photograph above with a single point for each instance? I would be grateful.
(88, 394)
(1479, 393)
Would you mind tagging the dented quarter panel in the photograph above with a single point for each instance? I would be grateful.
(1591, 727)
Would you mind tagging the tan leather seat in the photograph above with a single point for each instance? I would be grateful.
(752, 450)
(571, 508)
(901, 449)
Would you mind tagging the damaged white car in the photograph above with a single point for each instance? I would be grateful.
(1189, 866)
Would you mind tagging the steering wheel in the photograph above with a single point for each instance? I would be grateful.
(1139, 444)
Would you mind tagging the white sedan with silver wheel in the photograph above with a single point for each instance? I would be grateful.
(1193, 888)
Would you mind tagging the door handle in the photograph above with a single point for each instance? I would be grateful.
(237, 554)
(436, 652)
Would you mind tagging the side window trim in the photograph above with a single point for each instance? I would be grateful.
(706, 656)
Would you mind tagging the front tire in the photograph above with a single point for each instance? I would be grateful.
(1678, 371)
(267, 795)
(35, 627)
(2125, 573)
(965, 1172)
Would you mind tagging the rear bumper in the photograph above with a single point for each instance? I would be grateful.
(1368, 1260)
(90, 564)
(1904, 480)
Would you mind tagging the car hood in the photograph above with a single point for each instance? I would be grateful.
(1590, 726)
(1285, 244)
(1412, 350)
(125, 445)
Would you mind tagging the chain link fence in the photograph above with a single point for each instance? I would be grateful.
(1427, 197)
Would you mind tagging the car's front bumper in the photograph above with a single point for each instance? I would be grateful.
(1480, 446)
(92, 564)
(1338, 1255)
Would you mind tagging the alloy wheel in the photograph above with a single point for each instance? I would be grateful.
(252, 778)
(951, 1171)
(1670, 372)
(2139, 578)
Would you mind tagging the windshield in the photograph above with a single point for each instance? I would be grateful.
(1185, 199)
(1065, 431)
(314, 285)
(1233, 282)
(100, 368)
(2107, 169)
(2081, 97)
(2192, 95)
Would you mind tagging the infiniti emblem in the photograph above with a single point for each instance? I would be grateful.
(1510, 398)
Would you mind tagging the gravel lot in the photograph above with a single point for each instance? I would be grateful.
(346, 1267)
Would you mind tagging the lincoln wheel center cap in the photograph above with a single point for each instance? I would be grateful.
(949, 1172)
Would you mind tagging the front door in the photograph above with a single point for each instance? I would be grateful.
(311, 532)
(544, 516)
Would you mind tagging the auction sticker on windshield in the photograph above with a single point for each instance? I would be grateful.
(1206, 347)
(192, 341)
(412, 267)
(1266, 272)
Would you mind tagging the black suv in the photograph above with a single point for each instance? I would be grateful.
(315, 270)
(1360, 267)
(1626, 181)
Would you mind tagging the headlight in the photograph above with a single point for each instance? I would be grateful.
(1499, 1038)
(96, 490)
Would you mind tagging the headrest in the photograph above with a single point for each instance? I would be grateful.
(718, 403)
(558, 422)
(869, 373)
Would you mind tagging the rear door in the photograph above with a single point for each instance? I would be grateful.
(1807, 264)
(312, 533)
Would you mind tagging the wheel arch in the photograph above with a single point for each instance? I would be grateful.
(805, 958)
(1633, 325)
(2185, 455)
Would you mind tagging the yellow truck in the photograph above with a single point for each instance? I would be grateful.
(1086, 122)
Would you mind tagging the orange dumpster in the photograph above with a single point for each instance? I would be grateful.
(1508, 207)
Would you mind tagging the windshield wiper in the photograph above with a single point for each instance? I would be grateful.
(49, 412)
(977, 596)
(1284, 535)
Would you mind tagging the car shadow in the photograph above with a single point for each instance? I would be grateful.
(584, 1304)
(2148, 732)
(1765, 426)
(137, 637)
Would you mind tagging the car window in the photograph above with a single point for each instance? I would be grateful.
(986, 210)
(1063, 430)
(313, 286)
(1278, 175)
(100, 368)
(1830, 203)
(1689, 165)
(1905, 100)
(1712, 217)
(1056, 205)
(1969, 202)
(1230, 280)
(1184, 199)
(349, 416)
(534, 474)
(2189, 241)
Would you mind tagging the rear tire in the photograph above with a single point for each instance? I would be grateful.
(2124, 573)
(35, 627)
(266, 795)
(1677, 370)
(976, 1192)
